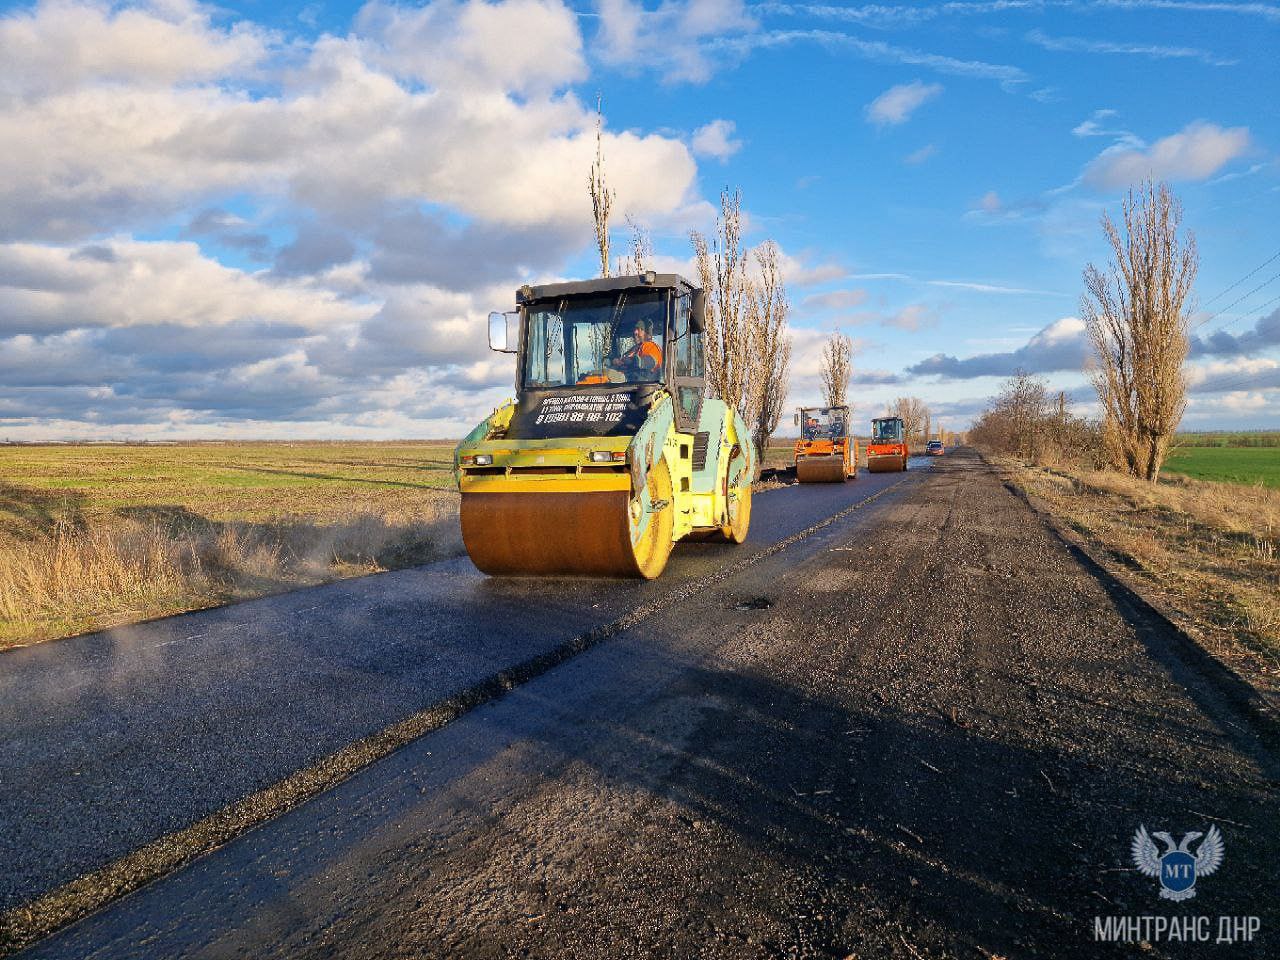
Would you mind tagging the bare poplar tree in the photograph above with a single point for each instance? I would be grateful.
(914, 415)
(601, 196)
(770, 349)
(837, 366)
(1137, 315)
(722, 271)
(641, 250)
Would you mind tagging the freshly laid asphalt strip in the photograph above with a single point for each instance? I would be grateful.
(117, 739)
(924, 731)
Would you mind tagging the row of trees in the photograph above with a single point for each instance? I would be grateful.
(1025, 420)
(1136, 312)
(748, 346)
(747, 342)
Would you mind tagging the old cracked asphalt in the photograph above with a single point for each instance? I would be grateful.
(924, 729)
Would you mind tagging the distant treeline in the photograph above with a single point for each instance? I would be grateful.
(1223, 438)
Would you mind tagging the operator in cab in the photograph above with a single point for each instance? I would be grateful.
(643, 361)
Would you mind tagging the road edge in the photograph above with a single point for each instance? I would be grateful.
(1186, 656)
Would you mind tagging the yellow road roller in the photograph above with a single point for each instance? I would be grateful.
(610, 451)
(825, 452)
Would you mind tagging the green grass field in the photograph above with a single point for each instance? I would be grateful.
(1250, 465)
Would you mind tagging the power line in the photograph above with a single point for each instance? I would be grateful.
(1258, 319)
(1274, 256)
(1245, 380)
(1217, 313)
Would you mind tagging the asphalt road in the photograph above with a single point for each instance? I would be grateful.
(115, 739)
(923, 729)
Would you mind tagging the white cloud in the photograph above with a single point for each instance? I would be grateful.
(1150, 51)
(1062, 345)
(835, 300)
(101, 155)
(715, 139)
(911, 317)
(60, 44)
(920, 156)
(125, 283)
(1234, 375)
(671, 39)
(395, 183)
(522, 46)
(800, 270)
(874, 50)
(885, 15)
(896, 104)
(1196, 153)
(1265, 10)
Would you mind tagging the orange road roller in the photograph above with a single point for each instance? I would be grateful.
(610, 451)
(825, 452)
(887, 452)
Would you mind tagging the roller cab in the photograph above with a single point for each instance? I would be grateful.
(609, 453)
(887, 452)
(825, 452)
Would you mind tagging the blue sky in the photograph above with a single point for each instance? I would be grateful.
(291, 219)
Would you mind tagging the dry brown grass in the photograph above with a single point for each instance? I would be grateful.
(87, 576)
(91, 537)
(1209, 551)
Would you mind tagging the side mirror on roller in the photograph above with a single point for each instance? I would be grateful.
(504, 332)
(698, 316)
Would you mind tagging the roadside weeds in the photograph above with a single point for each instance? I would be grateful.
(85, 575)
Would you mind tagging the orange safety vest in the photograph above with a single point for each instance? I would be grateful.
(652, 351)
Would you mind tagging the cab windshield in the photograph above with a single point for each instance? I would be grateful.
(820, 423)
(886, 431)
(614, 337)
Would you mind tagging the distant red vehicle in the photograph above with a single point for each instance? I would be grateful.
(934, 448)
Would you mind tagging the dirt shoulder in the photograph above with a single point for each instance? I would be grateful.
(1205, 555)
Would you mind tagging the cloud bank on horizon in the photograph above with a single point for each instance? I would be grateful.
(224, 221)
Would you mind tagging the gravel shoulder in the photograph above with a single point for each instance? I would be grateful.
(931, 732)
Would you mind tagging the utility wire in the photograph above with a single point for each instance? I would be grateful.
(1243, 380)
(1258, 319)
(1217, 313)
(1275, 256)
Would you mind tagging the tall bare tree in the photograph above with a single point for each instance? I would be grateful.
(641, 250)
(837, 366)
(1137, 315)
(722, 271)
(601, 196)
(914, 415)
(770, 369)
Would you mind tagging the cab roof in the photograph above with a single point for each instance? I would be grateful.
(650, 280)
